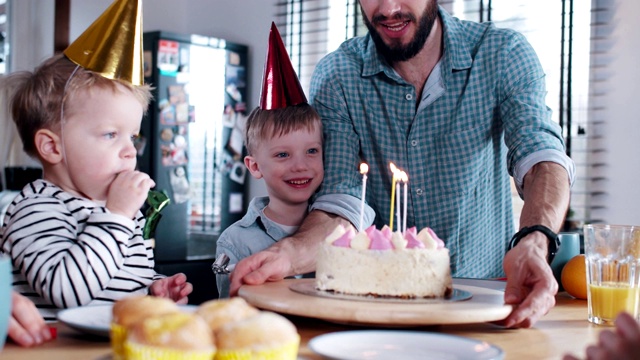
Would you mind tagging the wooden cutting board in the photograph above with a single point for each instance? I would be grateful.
(485, 305)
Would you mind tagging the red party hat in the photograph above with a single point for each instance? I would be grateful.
(280, 84)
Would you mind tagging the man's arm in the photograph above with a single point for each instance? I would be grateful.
(531, 287)
(290, 256)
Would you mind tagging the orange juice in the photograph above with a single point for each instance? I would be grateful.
(610, 298)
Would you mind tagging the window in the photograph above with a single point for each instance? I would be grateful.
(559, 30)
(4, 45)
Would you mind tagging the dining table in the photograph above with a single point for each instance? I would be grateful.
(565, 329)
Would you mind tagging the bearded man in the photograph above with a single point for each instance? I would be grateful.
(459, 106)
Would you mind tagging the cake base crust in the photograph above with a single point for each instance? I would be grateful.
(406, 273)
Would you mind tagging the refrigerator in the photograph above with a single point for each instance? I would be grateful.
(191, 144)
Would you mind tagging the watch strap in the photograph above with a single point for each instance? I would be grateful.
(553, 243)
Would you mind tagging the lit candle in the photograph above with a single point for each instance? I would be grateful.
(364, 169)
(394, 170)
(398, 202)
(405, 180)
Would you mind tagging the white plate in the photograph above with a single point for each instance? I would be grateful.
(94, 320)
(406, 345)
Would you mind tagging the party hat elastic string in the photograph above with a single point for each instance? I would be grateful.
(62, 120)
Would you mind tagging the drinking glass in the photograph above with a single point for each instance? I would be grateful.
(613, 271)
(5, 296)
(569, 247)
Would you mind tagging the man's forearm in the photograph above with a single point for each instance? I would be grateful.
(302, 246)
(546, 196)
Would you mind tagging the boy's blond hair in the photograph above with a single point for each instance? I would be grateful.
(267, 124)
(38, 96)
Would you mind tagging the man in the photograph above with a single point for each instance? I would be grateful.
(440, 98)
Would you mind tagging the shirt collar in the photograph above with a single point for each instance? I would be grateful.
(255, 214)
(456, 51)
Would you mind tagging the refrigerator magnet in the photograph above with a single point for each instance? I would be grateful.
(238, 172)
(179, 184)
(168, 61)
(235, 203)
(166, 135)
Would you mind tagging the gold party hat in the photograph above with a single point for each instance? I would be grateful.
(280, 84)
(112, 45)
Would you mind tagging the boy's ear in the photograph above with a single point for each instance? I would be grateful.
(252, 166)
(48, 146)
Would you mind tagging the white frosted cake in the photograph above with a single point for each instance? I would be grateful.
(385, 264)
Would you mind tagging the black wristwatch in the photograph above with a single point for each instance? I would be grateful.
(554, 242)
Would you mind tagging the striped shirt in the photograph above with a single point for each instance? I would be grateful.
(481, 116)
(69, 251)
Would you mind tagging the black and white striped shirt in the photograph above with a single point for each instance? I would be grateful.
(69, 251)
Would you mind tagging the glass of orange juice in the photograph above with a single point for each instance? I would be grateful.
(613, 271)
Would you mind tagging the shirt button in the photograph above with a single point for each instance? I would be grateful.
(414, 142)
(419, 191)
(408, 97)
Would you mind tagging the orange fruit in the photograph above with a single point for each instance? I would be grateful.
(574, 277)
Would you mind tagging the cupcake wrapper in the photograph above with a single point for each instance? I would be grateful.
(135, 351)
(288, 351)
(118, 336)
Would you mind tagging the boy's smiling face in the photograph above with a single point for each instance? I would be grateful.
(291, 165)
(99, 129)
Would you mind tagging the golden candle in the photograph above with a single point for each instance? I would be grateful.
(394, 179)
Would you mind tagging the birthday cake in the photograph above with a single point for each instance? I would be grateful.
(383, 263)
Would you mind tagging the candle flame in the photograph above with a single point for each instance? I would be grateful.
(404, 177)
(393, 168)
(364, 168)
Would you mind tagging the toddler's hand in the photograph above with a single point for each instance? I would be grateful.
(174, 287)
(128, 192)
(622, 343)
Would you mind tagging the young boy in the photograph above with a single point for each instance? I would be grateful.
(284, 144)
(75, 237)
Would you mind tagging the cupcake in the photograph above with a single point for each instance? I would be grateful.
(128, 311)
(220, 312)
(171, 336)
(265, 336)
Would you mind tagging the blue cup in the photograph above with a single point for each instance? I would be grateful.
(5, 296)
(569, 247)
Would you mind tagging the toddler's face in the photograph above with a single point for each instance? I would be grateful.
(99, 130)
(291, 165)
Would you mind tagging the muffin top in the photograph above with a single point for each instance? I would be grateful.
(220, 312)
(130, 310)
(261, 331)
(176, 330)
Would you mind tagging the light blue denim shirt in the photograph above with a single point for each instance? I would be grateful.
(249, 235)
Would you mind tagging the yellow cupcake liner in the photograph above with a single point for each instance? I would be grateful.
(118, 336)
(134, 351)
(288, 351)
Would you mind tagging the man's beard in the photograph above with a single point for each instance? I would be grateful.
(398, 52)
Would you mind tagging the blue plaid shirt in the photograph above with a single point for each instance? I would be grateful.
(481, 116)
(247, 236)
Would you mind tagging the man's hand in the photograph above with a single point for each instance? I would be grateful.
(531, 287)
(290, 256)
(269, 265)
